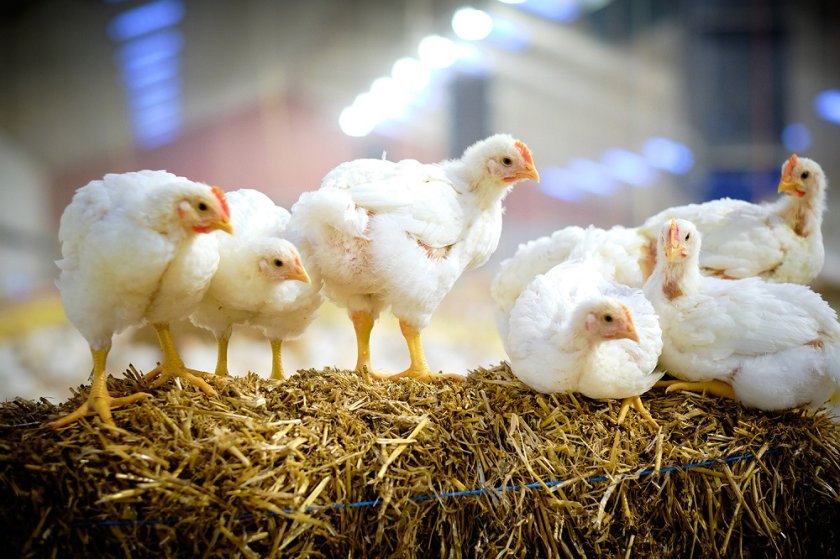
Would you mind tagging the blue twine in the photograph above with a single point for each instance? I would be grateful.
(440, 496)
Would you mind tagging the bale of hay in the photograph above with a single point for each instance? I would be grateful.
(330, 464)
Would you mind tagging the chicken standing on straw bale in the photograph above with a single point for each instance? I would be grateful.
(768, 345)
(134, 250)
(575, 329)
(250, 285)
(780, 242)
(401, 233)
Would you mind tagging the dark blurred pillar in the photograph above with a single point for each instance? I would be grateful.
(469, 111)
(735, 71)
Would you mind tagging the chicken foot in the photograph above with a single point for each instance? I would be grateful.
(173, 366)
(221, 356)
(362, 324)
(419, 368)
(637, 404)
(99, 401)
(714, 387)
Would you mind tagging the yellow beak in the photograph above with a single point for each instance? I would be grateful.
(298, 272)
(223, 225)
(789, 186)
(673, 248)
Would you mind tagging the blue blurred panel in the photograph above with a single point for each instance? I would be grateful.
(555, 10)
(145, 19)
(753, 186)
(827, 105)
(161, 92)
(140, 52)
(161, 71)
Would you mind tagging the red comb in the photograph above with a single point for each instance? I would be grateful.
(791, 163)
(526, 153)
(218, 193)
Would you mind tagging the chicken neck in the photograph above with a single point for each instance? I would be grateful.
(803, 215)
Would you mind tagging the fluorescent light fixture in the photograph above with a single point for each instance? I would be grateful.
(354, 122)
(508, 35)
(557, 183)
(628, 167)
(437, 52)
(827, 105)
(554, 10)
(796, 137)
(411, 74)
(470, 24)
(591, 176)
(668, 155)
(145, 19)
(163, 70)
(160, 93)
(147, 50)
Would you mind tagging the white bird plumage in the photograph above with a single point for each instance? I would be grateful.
(400, 234)
(575, 329)
(769, 345)
(779, 241)
(250, 285)
(132, 253)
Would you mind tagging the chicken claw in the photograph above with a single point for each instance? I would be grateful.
(173, 366)
(637, 404)
(99, 401)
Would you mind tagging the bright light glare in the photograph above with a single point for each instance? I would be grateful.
(354, 123)
(513, 1)
(411, 74)
(591, 176)
(145, 19)
(796, 137)
(387, 99)
(668, 155)
(628, 167)
(827, 105)
(471, 24)
(437, 52)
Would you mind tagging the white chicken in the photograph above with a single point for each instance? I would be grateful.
(401, 233)
(780, 242)
(250, 284)
(575, 329)
(769, 345)
(623, 249)
(134, 251)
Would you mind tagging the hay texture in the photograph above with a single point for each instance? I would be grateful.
(330, 464)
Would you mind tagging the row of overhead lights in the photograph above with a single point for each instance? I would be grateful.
(583, 177)
(149, 45)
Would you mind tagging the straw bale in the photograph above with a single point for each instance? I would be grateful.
(331, 464)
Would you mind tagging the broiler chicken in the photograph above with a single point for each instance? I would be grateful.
(400, 234)
(250, 285)
(575, 329)
(134, 250)
(768, 345)
(623, 249)
(781, 241)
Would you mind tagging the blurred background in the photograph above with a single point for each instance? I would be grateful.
(629, 107)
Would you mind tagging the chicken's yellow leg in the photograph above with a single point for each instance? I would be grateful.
(172, 365)
(714, 387)
(363, 324)
(99, 401)
(221, 356)
(418, 369)
(637, 404)
(276, 359)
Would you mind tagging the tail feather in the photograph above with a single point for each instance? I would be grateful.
(328, 210)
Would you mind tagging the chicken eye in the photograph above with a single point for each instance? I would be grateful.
(608, 318)
(278, 263)
(507, 161)
(687, 236)
(202, 207)
(805, 175)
